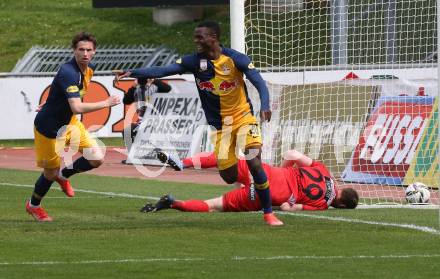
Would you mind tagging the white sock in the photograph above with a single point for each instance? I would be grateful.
(31, 205)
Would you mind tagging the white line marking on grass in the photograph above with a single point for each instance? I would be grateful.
(111, 194)
(104, 261)
(341, 219)
(60, 198)
(82, 197)
(409, 206)
(386, 224)
(314, 257)
(236, 258)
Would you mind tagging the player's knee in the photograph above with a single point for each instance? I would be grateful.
(96, 163)
(228, 178)
(50, 174)
(230, 174)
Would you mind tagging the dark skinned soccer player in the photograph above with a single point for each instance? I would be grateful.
(218, 72)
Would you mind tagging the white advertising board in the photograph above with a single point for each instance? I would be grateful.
(172, 122)
(20, 96)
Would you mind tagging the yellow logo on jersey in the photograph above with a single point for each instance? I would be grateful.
(226, 69)
(251, 66)
(72, 89)
(179, 61)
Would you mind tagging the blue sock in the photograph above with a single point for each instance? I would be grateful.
(42, 186)
(80, 165)
(263, 191)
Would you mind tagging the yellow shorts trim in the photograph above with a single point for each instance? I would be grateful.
(231, 139)
(48, 150)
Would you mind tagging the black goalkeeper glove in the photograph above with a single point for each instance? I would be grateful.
(147, 208)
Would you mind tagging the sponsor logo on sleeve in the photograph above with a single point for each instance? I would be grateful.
(330, 192)
(72, 89)
(251, 66)
(252, 193)
(179, 61)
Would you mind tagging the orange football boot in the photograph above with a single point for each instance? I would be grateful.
(65, 186)
(272, 220)
(38, 213)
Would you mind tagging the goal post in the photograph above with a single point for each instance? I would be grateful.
(237, 28)
(438, 91)
(353, 84)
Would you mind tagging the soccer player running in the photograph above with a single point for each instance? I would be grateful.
(218, 72)
(299, 184)
(56, 124)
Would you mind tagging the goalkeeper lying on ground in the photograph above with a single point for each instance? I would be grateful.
(299, 184)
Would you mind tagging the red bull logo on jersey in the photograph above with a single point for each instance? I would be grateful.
(206, 85)
(227, 85)
(213, 85)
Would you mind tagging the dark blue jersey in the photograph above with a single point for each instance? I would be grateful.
(219, 82)
(69, 82)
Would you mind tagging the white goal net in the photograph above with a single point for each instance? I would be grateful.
(353, 84)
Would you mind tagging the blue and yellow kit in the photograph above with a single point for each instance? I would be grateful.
(69, 82)
(224, 97)
(219, 82)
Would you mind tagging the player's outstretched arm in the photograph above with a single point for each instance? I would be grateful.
(78, 107)
(151, 72)
(292, 157)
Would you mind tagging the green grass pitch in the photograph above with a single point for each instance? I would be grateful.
(101, 234)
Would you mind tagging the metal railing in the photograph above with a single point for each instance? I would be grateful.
(46, 60)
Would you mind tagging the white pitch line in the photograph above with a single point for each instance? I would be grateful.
(236, 258)
(60, 198)
(314, 257)
(111, 194)
(386, 224)
(341, 219)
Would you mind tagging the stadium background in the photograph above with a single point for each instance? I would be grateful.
(101, 234)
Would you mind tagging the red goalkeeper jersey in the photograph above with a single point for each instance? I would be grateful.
(311, 186)
(277, 177)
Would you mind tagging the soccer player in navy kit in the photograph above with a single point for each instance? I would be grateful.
(218, 72)
(56, 124)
